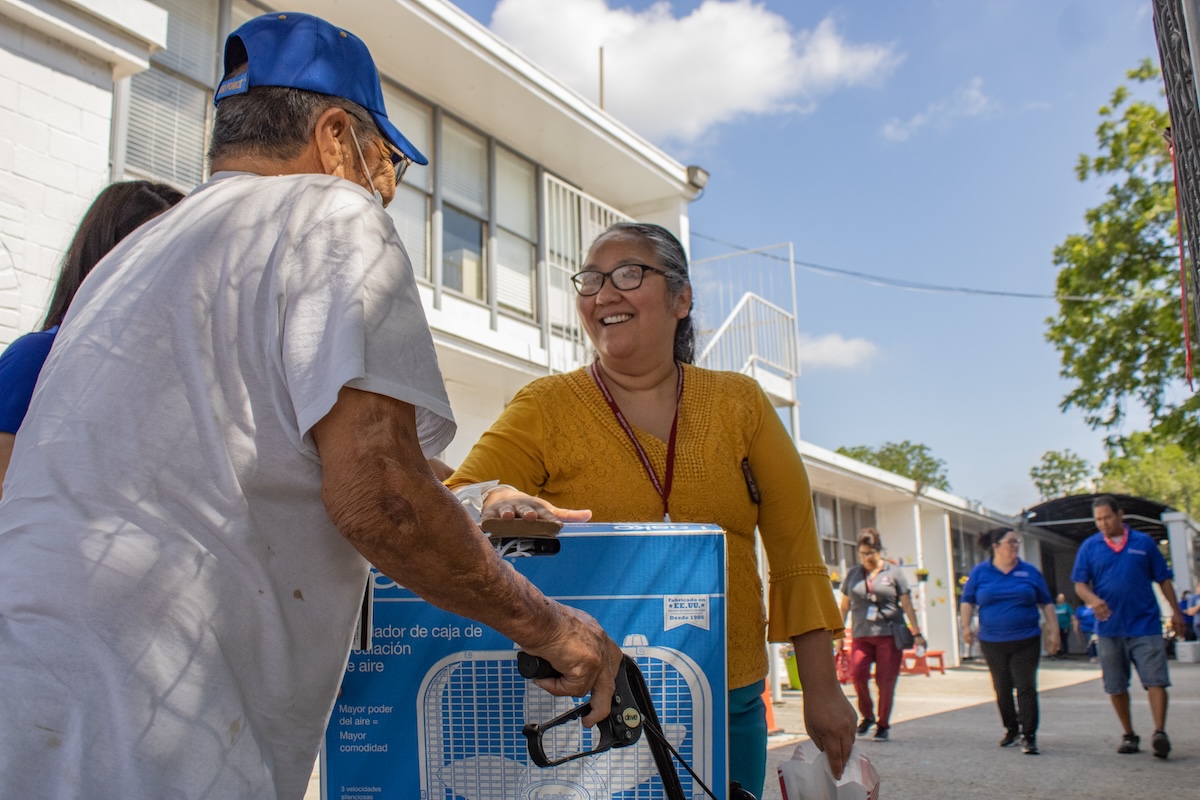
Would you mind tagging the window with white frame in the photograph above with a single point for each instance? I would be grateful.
(827, 528)
(964, 549)
(409, 209)
(463, 175)
(852, 519)
(169, 103)
(516, 221)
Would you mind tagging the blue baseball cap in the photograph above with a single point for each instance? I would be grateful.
(300, 51)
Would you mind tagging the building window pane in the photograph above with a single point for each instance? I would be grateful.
(415, 121)
(516, 194)
(167, 117)
(462, 259)
(464, 169)
(515, 261)
(191, 39)
(410, 211)
(849, 554)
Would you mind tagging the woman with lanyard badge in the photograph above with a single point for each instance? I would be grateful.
(874, 593)
(1010, 593)
(642, 435)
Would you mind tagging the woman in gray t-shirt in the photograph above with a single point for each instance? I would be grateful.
(877, 596)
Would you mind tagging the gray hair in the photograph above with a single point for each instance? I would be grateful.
(276, 122)
(671, 257)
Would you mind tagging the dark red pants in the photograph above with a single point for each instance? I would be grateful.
(882, 651)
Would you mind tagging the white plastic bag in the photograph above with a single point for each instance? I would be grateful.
(807, 776)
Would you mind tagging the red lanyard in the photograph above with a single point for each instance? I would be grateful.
(662, 487)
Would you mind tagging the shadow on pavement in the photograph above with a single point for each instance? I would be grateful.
(956, 753)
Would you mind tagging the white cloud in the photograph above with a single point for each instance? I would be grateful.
(834, 351)
(676, 78)
(967, 102)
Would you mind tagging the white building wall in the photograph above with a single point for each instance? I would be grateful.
(938, 607)
(55, 118)
(894, 521)
(476, 406)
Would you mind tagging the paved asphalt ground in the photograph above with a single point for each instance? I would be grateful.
(946, 731)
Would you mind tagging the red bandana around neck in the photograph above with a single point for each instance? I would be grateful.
(1119, 544)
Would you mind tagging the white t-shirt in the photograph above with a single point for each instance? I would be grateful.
(176, 608)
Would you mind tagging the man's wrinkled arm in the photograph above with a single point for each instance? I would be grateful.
(381, 494)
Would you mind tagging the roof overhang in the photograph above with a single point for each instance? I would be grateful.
(882, 484)
(1072, 516)
(120, 33)
(438, 51)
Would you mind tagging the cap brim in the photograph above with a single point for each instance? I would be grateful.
(393, 135)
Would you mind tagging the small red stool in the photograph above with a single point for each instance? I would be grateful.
(913, 664)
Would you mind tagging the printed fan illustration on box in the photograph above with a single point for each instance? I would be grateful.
(470, 751)
(435, 709)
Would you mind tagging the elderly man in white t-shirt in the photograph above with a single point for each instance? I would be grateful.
(232, 424)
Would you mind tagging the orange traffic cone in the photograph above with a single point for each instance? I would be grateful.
(771, 727)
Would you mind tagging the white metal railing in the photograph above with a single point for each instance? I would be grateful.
(573, 221)
(757, 333)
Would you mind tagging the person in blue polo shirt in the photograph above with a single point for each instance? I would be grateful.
(1012, 598)
(1114, 574)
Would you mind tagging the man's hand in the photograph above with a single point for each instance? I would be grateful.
(1179, 624)
(507, 503)
(587, 659)
(1103, 612)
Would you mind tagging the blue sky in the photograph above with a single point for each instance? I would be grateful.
(928, 140)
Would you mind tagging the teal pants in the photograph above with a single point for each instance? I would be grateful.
(748, 738)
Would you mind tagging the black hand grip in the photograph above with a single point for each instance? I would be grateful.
(532, 667)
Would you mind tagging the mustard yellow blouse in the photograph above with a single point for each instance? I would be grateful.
(558, 440)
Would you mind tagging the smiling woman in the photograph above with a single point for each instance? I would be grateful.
(641, 435)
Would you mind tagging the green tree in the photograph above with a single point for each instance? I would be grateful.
(1148, 466)
(1060, 473)
(903, 458)
(1128, 347)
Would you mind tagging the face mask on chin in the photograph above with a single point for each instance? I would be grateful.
(374, 192)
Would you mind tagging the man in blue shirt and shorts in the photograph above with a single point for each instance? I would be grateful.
(1114, 575)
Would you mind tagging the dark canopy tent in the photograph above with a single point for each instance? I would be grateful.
(1072, 516)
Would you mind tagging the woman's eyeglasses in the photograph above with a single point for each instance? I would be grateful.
(626, 278)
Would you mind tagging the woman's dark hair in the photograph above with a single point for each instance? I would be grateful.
(870, 538)
(114, 214)
(673, 260)
(988, 539)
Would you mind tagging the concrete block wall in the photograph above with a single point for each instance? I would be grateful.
(55, 124)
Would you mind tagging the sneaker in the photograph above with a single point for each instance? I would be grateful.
(1010, 738)
(866, 725)
(1030, 746)
(1129, 744)
(881, 734)
(1162, 745)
